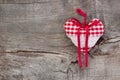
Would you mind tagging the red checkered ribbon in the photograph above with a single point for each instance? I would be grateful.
(74, 27)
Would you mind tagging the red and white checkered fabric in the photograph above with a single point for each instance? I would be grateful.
(96, 30)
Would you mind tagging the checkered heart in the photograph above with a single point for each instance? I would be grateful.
(96, 30)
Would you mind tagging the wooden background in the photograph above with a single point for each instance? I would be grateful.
(33, 44)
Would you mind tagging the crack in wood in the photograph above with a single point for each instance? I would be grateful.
(68, 72)
(25, 51)
(60, 71)
(111, 40)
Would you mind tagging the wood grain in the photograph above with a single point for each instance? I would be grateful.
(33, 44)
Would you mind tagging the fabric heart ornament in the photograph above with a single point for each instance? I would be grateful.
(84, 36)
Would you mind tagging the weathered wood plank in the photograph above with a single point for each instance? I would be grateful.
(33, 44)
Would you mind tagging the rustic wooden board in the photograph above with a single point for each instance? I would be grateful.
(33, 44)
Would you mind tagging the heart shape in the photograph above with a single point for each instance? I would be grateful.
(96, 30)
(84, 36)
